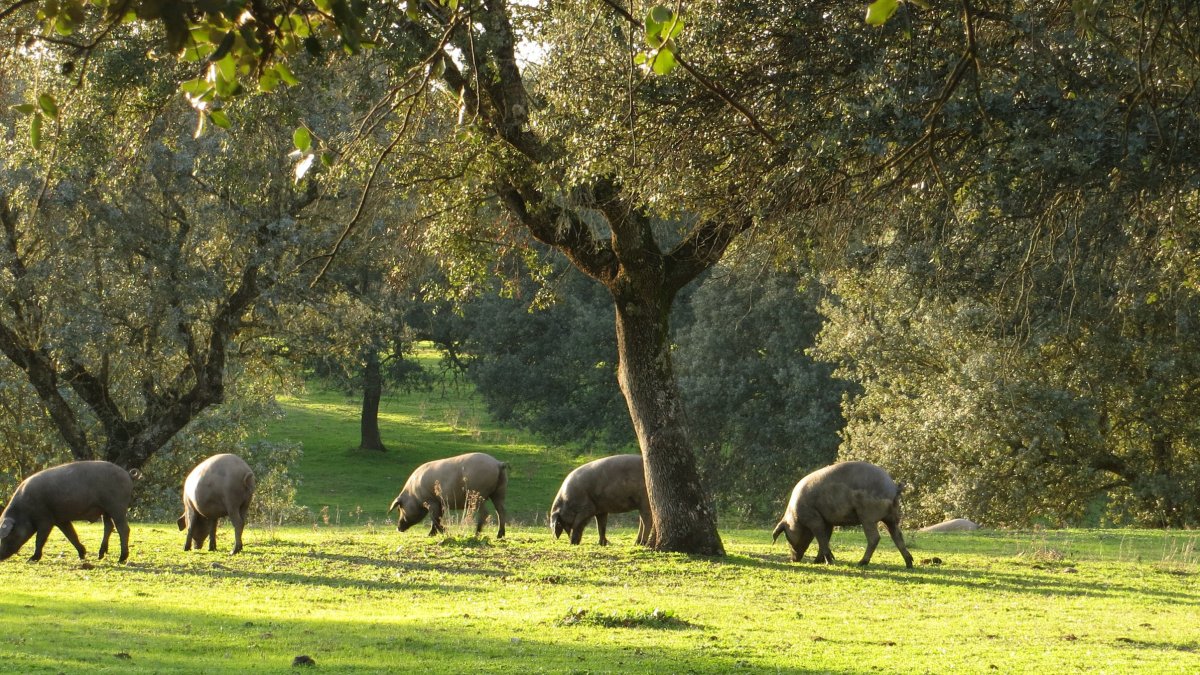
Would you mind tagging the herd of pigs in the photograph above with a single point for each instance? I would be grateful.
(847, 493)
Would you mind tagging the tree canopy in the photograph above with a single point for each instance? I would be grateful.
(1001, 197)
(1019, 311)
(134, 270)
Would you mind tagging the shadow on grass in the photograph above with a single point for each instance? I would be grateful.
(448, 566)
(132, 636)
(333, 571)
(469, 564)
(1045, 581)
(1190, 647)
(1043, 584)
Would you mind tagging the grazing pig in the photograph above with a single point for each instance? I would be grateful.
(849, 493)
(56, 496)
(446, 483)
(609, 485)
(220, 486)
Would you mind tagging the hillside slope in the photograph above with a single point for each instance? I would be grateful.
(348, 485)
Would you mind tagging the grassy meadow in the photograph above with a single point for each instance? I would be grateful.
(344, 485)
(355, 596)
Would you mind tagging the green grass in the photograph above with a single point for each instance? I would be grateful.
(346, 485)
(368, 599)
(358, 597)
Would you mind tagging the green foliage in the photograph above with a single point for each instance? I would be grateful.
(944, 413)
(276, 470)
(762, 413)
(551, 370)
(46, 107)
(662, 26)
(239, 47)
(135, 255)
(1018, 431)
(35, 131)
(302, 139)
(880, 11)
(1017, 319)
(47, 104)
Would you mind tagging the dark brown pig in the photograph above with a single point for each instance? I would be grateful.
(609, 485)
(849, 493)
(59, 495)
(447, 484)
(220, 486)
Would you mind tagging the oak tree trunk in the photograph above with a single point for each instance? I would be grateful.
(684, 517)
(372, 393)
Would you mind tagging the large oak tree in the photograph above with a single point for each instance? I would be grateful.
(583, 174)
(139, 268)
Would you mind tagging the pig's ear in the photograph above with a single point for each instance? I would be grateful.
(6, 527)
(182, 522)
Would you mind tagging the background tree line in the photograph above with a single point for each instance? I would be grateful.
(761, 410)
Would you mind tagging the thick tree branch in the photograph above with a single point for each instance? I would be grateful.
(167, 409)
(502, 83)
(134, 442)
(40, 371)
(702, 248)
(505, 111)
(36, 363)
(560, 229)
(95, 393)
(633, 240)
(15, 265)
(512, 100)
(1114, 465)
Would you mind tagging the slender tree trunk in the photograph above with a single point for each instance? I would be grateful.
(684, 517)
(372, 393)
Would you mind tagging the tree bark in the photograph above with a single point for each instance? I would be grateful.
(684, 517)
(370, 438)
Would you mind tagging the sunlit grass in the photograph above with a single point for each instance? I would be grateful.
(355, 596)
(342, 484)
(373, 600)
